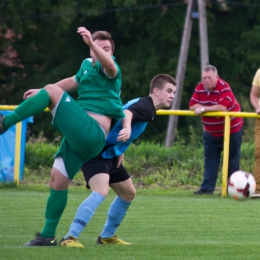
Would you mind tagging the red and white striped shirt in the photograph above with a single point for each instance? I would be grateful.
(220, 95)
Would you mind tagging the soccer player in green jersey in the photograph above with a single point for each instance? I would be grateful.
(84, 124)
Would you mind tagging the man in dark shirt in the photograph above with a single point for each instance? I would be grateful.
(107, 169)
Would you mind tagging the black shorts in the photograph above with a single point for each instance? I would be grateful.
(100, 165)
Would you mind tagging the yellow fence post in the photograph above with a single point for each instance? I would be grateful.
(17, 156)
(225, 156)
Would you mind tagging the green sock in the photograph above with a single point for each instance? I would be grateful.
(56, 204)
(30, 107)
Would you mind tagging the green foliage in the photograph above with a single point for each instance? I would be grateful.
(148, 36)
(40, 153)
(150, 164)
(247, 156)
(39, 159)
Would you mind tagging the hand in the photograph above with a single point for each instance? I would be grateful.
(124, 134)
(258, 110)
(31, 92)
(198, 111)
(86, 36)
(120, 160)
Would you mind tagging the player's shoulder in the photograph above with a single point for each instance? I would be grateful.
(131, 102)
(147, 100)
(141, 102)
(86, 63)
(87, 60)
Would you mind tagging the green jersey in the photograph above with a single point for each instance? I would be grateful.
(97, 92)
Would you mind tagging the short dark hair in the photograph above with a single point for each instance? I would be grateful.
(160, 80)
(103, 35)
(210, 68)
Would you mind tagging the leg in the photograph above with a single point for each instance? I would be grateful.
(212, 149)
(56, 204)
(125, 189)
(234, 152)
(76, 149)
(46, 97)
(117, 211)
(99, 184)
(257, 156)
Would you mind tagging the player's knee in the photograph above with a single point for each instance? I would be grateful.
(58, 181)
(103, 191)
(53, 90)
(130, 195)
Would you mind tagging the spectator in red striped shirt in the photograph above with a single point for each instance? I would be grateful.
(214, 94)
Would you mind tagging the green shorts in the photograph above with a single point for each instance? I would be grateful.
(83, 138)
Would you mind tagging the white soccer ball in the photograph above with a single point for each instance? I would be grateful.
(241, 185)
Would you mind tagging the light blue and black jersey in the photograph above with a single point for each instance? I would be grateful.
(143, 111)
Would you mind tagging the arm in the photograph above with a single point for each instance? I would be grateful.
(194, 101)
(120, 160)
(254, 98)
(199, 109)
(102, 56)
(193, 107)
(68, 84)
(125, 133)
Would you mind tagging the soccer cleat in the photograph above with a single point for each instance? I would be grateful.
(42, 241)
(112, 240)
(70, 241)
(2, 129)
(202, 192)
(255, 196)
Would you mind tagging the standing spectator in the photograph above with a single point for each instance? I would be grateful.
(254, 99)
(214, 94)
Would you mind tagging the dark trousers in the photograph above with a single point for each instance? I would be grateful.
(213, 146)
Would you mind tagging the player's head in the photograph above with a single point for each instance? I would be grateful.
(162, 90)
(104, 40)
(209, 77)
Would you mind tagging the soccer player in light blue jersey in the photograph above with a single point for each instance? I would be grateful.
(107, 169)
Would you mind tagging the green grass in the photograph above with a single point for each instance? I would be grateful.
(161, 224)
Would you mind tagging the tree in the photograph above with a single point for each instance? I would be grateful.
(147, 37)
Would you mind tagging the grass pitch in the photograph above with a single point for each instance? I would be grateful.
(161, 224)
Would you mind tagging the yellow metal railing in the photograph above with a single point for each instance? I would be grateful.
(12, 107)
(227, 116)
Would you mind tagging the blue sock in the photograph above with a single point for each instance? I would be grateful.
(85, 212)
(115, 216)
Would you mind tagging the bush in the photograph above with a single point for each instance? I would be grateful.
(150, 164)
